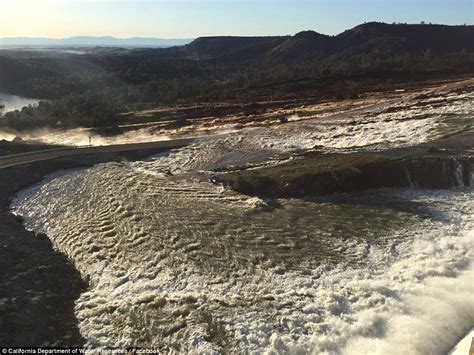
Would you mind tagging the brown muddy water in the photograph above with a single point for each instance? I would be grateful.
(178, 263)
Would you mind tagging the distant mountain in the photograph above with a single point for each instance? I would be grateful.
(85, 41)
(372, 38)
(208, 64)
(369, 38)
(211, 47)
(440, 38)
(304, 45)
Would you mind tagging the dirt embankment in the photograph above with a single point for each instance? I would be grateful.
(317, 100)
(39, 284)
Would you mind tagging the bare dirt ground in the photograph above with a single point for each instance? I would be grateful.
(197, 120)
(39, 284)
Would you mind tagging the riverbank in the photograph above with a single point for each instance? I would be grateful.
(147, 226)
(40, 284)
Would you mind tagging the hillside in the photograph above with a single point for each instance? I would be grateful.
(92, 89)
(366, 39)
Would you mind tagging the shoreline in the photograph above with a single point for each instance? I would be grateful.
(40, 283)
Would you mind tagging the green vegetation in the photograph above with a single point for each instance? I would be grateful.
(87, 110)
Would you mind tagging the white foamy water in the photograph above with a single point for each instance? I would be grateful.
(186, 266)
(407, 123)
(180, 264)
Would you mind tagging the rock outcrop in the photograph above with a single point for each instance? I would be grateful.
(444, 164)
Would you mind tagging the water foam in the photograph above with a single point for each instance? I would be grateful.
(182, 265)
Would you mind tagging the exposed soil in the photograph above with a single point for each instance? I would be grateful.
(39, 284)
(315, 102)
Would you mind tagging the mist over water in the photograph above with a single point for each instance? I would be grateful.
(405, 124)
(181, 264)
(10, 103)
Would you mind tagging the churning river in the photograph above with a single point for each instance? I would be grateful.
(182, 264)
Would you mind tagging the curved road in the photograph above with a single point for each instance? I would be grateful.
(36, 156)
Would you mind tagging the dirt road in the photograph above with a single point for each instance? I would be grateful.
(37, 156)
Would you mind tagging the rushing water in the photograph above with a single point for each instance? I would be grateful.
(178, 263)
(386, 125)
(182, 264)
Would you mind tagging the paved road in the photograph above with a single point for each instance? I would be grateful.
(31, 157)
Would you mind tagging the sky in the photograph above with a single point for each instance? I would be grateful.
(194, 18)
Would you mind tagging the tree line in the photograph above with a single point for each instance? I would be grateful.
(93, 91)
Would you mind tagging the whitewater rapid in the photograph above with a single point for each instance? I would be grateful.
(178, 263)
(185, 265)
(381, 126)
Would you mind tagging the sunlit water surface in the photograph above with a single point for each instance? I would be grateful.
(178, 263)
(181, 264)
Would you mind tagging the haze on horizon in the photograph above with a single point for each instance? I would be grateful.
(193, 18)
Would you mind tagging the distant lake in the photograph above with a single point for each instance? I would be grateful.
(13, 102)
